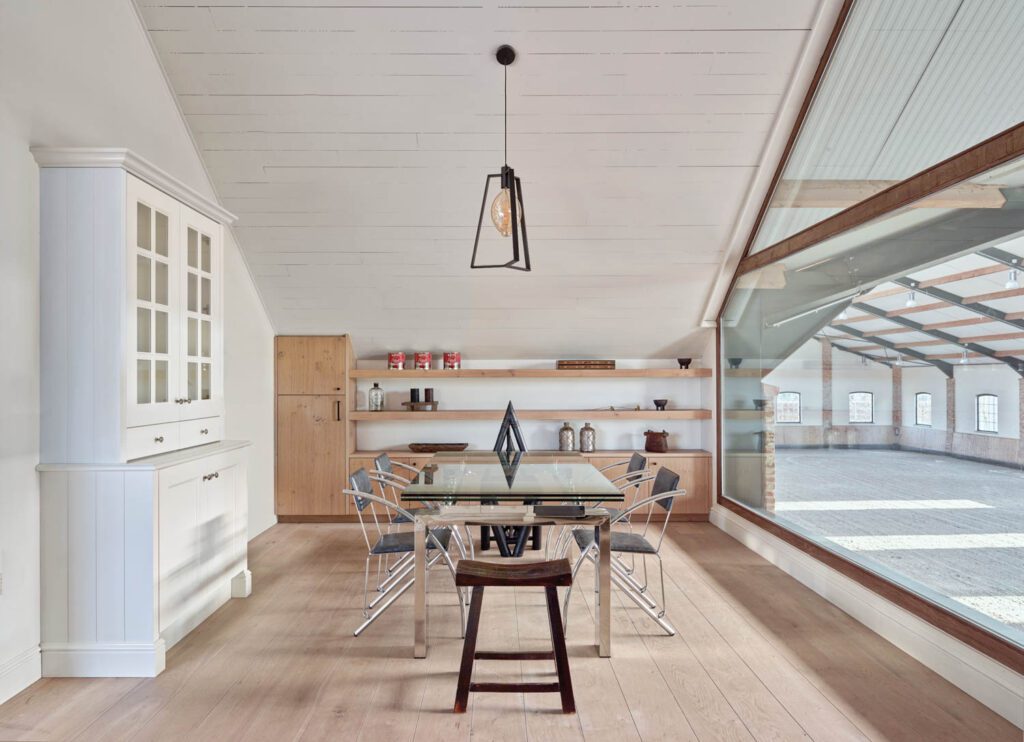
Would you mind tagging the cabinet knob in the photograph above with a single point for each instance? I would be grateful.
(208, 477)
(204, 431)
(158, 439)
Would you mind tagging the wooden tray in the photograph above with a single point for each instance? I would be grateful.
(420, 406)
(436, 447)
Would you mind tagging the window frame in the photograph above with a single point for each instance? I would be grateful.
(849, 409)
(917, 409)
(977, 413)
(799, 410)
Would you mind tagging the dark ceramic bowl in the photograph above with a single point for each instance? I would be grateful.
(660, 404)
(684, 362)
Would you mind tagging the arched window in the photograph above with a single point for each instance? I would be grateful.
(862, 407)
(787, 407)
(923, 408)
(986, 413)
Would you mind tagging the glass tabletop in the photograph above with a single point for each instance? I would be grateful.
(476, 476)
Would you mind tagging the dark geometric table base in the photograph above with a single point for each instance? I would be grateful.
(511, 540)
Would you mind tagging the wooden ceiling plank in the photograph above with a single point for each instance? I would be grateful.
(992, 295)
(841, 194)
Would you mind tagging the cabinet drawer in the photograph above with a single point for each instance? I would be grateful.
(148, 440)
(203, 430)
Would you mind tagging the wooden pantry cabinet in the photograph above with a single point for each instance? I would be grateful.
(312, 426)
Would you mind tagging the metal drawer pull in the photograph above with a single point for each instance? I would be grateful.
(208, 477)
(158, 439)
(204, 431)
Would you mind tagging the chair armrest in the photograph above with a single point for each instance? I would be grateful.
(381, 501)
(392, 479)
(647, 501)
(612, 466)
(639, 474)
(642, 480)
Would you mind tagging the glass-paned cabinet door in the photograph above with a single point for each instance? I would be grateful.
(202, 363)
(152, 338)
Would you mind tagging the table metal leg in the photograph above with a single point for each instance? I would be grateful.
(420, 591)
(604, 595)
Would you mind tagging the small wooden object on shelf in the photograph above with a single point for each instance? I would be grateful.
(586, 364)
(420, 406)
(437, 447)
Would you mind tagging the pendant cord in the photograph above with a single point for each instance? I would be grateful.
(506, 115)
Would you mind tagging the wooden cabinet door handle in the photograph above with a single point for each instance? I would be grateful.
(337, 410)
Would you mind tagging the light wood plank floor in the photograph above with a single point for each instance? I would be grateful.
(757, 657)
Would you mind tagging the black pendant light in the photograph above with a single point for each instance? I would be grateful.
(507, 207)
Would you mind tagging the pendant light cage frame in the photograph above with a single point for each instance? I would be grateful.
(507, 179)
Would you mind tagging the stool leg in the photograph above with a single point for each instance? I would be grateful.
(561, 655)
(469, 650)
(485, 538)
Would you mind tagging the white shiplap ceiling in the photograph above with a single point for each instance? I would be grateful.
(353, 139)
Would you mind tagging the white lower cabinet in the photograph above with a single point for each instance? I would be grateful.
(135, 556)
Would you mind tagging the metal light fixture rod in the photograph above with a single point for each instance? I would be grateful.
(520, 261)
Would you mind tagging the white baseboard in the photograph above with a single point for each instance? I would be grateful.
(241, 584)
(103, 660)
(19, 672)
(993, 684)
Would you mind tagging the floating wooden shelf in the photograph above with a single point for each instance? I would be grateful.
(391, 415)
(698, 453)
(533, 373)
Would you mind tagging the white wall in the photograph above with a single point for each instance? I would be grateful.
(249, 383)
(849, 375)
(19, 422)
(801, 373)
(84, 74)
(988, 379)
(924, 379)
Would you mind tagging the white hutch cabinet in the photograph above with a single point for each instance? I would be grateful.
(144, 506)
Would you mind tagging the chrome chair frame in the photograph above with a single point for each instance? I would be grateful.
(399, 582)
(623, 578)
(633, 479)
(396, 484)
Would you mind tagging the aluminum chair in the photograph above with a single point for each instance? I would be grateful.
(394, 483)
(664, 491)
(629, 483)
(375, 515)
(386, 570)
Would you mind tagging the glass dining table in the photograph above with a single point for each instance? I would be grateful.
(484, 488)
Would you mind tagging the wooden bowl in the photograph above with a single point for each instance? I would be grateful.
(436, 447)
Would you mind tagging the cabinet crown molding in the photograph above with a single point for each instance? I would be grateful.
(119, 157)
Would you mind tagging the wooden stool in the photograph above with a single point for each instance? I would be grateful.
(549, 575)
